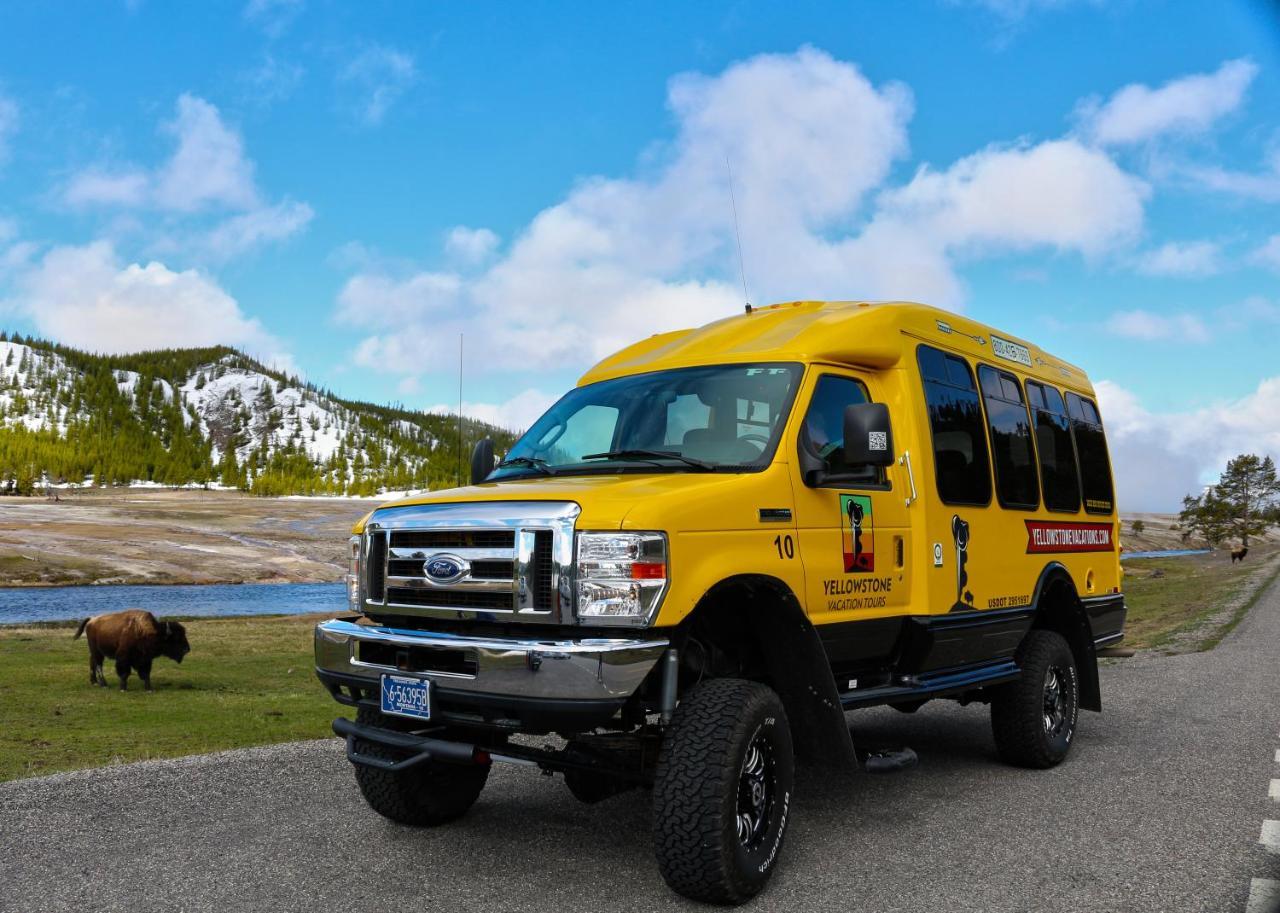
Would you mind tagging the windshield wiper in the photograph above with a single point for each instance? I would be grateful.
(532, 462)
(651, 456)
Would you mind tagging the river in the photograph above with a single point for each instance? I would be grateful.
(20, 605)
(62, 603)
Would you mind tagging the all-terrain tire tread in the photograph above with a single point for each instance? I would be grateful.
(692, 776)
(1016, 709)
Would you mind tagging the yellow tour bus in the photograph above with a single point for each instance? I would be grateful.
(718, 543)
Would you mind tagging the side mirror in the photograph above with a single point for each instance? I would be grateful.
(481, 460)
(868, 439)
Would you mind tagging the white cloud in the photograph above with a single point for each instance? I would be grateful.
(97, 188)
(8, 125)
(248, 231)
(272, 81)
(1158, 458)
(209, 167)
(374, 79)
(208, 175)
(88, 298)
(470, 246)
(1151, 327)
(272, 16)
(1182, 259)
(517, 413)
(1187, 105)
(1268, 254)
(811, 141)
(1263, 185)
(1056, 194)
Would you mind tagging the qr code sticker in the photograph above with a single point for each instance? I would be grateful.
(877, 440)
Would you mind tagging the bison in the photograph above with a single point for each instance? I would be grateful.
(1238, 554)
(132, 638)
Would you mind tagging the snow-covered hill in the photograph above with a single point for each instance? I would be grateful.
(210, 416)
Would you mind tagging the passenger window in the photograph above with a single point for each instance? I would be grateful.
(1058, 475)
(1011, 449)
(1091, 445)
(823, 430)
(955, 418)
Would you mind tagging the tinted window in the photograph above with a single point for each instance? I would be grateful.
(1057, 454)
(730, 416)
(955, 418)
(1011, 448)
(824, 425)
(1091, 446)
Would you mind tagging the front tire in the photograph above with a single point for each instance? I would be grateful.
(422, 796)
(722, 791)
(1034, 718)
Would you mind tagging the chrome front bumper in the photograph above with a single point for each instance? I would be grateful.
(587, 669)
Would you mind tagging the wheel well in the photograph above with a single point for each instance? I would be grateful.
(1058, 608)
(752, 626)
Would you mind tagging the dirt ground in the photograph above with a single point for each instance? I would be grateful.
(141, 536)
(159, 536)
(1159, 533)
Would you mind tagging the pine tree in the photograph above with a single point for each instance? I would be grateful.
(1245, 502)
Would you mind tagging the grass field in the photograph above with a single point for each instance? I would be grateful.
(1191, 600)
(250, 681)
(247, 681)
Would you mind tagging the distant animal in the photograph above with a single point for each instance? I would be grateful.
(1238, 554)
(133, 638)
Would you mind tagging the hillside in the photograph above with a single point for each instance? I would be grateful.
(208, 417)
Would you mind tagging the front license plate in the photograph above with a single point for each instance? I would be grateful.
(405, 696)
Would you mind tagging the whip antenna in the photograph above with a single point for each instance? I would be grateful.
(742, 268)
(459, 409)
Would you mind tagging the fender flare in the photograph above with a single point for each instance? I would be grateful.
(1073, 624)
(796, 664)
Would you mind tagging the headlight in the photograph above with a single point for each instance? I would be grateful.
(353, 575)
(621, 576)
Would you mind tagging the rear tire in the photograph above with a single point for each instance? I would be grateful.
(421, 796)
(722, 791)
(1034, 718)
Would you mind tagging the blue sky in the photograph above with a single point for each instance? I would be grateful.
(343, 188)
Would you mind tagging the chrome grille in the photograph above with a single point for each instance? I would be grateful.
(515, 559)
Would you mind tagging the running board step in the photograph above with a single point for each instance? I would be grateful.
(917, 687)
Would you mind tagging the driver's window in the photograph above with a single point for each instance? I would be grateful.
(823, 432)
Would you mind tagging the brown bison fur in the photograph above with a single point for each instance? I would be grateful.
(1238, 554)
(133, 638)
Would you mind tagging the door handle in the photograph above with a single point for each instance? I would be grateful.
(905, 460)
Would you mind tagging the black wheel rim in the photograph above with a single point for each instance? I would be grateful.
(1056, 701)
(755, 792)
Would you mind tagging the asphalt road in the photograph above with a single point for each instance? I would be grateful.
(1160, 807)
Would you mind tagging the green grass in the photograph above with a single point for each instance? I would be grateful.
(247, 681)
(1168, 597)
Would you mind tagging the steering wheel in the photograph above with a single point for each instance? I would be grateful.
(760, 439)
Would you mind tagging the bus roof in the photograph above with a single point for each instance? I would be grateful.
(858, 333)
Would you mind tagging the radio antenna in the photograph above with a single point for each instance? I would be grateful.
(459, 410)
(742, 268)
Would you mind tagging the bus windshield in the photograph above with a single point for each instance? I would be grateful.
(709, 418)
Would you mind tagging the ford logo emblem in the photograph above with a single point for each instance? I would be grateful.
(444, 568)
